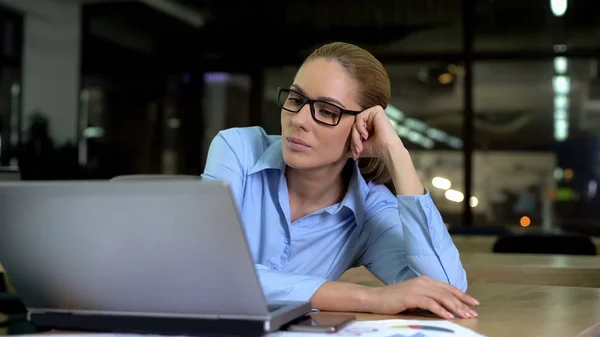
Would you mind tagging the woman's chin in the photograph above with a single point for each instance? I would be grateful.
(297, 160)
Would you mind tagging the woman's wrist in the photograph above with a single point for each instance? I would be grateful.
(404, 175)
(369, 298)
(342, 296)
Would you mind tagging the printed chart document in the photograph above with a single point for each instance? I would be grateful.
(393, 328)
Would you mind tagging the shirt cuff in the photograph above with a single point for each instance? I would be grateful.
(425, 230)
(303, 291)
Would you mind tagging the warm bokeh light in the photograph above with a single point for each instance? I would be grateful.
(454, 195)
(456, 70)
(441, 183)
(445, 78)
(525, 221)
(568, 174)
(473, 201)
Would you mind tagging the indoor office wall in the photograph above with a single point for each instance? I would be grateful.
(158, 123)
(120, 125)
(11, 37)
(271, 113)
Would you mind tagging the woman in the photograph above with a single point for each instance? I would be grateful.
(337, 190)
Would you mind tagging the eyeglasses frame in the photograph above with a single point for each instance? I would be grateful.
(311, 103)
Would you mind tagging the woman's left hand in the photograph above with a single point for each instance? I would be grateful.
(372, 134)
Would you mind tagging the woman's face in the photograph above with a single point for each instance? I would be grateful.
(307, 144)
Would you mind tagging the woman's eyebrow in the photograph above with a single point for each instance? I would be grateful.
(320, 98)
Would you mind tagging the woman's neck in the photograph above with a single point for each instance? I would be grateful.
(311, 190)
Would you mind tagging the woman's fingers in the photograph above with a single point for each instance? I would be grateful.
(423, 293)
(361, 126)
(453, 303)
(459, 294)
(433, 306)
(356, 143)
(448, 296)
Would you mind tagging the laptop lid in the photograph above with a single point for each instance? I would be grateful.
(170, 248)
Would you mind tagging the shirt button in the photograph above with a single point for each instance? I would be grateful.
(426, 204)
(287, 241)
(274, 268)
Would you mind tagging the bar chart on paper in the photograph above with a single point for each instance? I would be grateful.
(394, 328)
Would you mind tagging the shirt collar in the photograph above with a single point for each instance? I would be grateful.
(272, 158)
(355, 197)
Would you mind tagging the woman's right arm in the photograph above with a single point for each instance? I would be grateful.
(223, 163)
(228, 159)
(418, 293)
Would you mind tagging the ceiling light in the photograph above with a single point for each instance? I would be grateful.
(560, 114)
(561, 84)
(561, 130)
(560, 64)
(559, 7)
(561, 102)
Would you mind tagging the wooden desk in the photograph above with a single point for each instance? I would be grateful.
(485, 243)
(509, 310)
(559, 270)
(531, 260)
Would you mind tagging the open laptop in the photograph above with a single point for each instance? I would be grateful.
(158, 257)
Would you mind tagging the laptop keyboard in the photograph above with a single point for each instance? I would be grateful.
(273, 307)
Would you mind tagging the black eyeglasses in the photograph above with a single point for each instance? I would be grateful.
(322, 112)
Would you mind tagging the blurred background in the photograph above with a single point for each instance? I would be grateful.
(498, 100)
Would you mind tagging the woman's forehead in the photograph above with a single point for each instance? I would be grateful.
(325, 78)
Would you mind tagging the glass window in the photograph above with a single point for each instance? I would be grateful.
(537, 147)
(426, 108)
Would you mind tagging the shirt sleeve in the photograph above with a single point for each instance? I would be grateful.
(281, 286)
(409, 241)
(225, 163)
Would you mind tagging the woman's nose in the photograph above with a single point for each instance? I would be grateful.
(303, 117)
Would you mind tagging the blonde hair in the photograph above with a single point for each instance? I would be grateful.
(373, 89)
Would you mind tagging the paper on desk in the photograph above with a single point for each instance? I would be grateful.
(393, 328)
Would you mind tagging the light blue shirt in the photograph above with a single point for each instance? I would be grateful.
(395, 237)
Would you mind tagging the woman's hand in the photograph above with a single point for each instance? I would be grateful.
(372, 134)
(422, 292)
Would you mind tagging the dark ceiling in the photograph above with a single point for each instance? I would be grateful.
(239, 34)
